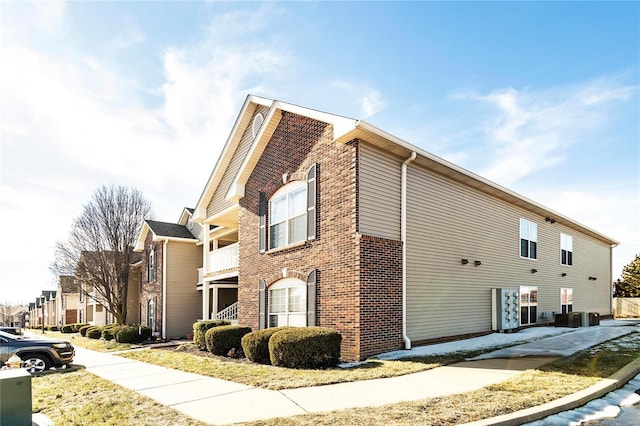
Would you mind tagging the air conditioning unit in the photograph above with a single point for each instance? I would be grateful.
(505, 309)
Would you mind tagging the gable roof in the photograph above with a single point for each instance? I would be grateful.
(163, 231)
(345, 130)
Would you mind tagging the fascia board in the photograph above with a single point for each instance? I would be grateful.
(139, 246)
(200, 211)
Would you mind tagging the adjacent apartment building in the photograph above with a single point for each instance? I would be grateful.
(312, 218)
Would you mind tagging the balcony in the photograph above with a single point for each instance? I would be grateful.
(223, 259)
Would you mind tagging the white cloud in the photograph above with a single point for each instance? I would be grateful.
(368, 99)
(528, 130)
(70, 123)
(128, 37)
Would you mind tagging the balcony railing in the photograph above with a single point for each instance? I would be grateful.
(229, 313)
(223, 259)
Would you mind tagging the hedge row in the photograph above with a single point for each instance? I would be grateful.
(121, 333)
(293, 347)
(72, 328)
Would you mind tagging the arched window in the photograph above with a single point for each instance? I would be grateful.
(288, 303)
(151, 314)
(288, 215)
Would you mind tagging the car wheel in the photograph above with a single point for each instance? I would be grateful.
(35, 363)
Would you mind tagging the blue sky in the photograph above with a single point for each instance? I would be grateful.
(541, 97)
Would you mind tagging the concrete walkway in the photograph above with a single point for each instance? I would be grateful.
(216, 401)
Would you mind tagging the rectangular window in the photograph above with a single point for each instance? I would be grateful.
(528, 305)
(528, 239)
(566, 249)
(566, 300)
(287, 217)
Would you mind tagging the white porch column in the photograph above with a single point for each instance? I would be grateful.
(205, 269)
(214, 305)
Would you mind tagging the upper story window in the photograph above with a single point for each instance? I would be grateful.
(151, 266)
(287, 215)
(291, 214)
(528, 239)
(566, 249)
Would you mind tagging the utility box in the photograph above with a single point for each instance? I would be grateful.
(505, 304)
(15, 397)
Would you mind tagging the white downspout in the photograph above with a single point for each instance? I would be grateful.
(164, 289)
(403, 238)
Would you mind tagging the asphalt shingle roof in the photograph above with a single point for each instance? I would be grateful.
(164, 229)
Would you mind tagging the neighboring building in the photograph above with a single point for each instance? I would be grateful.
(93, 308)
(13, 316)
(171, 260)
(68, 300)
(43, 309)
(317, 219)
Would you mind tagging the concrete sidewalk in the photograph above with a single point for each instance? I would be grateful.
(218, 401)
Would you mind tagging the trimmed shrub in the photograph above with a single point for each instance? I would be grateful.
(220, 340)
(76, 327)
(68, 328)
(94, 332)
(256, 344)
(201, 327)
(51, 327)
(132, 334)
(305, 347)
(109, 331)
(83, 329)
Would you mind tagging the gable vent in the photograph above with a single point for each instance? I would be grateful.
(257, 123)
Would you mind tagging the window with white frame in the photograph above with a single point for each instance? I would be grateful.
(566, 249)
(566, 300)
(151, 266)
(528, 239)
(151, 314)
(528, 305)
(288, 215)
(288, 303)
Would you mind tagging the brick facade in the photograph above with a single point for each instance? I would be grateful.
(153, 289)
(357, 293)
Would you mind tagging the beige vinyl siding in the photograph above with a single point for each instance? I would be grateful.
(379, 193)
(133, 296)
(448, 221)
(218, 202)
(183, 303)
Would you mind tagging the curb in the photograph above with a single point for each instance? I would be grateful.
(569, 402)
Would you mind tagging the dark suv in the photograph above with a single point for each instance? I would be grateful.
(12, 330)
(37, 354)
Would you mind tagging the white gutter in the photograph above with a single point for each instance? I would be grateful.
(403, 238)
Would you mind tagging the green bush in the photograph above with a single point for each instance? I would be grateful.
(132, 334)
(109, 331)
(220, 340)
(67, 328)
(83, 329)
(51, 327)
(256, 344)
(94, 332)
(201, 327)
(305, 347)
(76, 327)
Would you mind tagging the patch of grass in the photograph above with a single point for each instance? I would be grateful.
(77, 397)
(270, 377)
(526, 390)
(98, 345)
(599, 361)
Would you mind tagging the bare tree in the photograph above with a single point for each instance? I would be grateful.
(99, 250)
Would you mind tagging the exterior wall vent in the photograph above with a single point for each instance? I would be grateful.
(257, 123)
